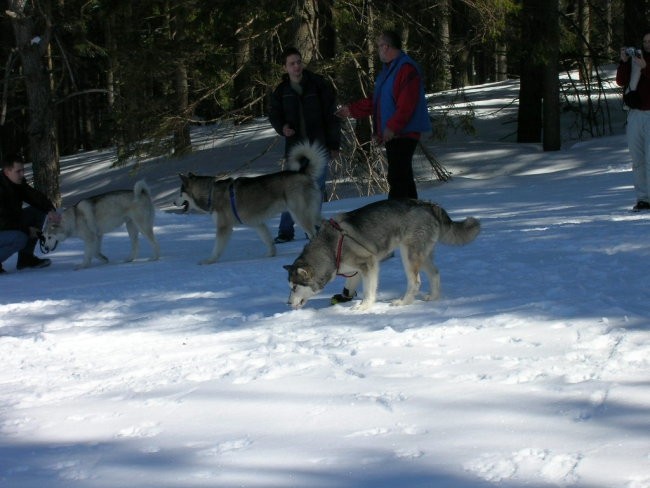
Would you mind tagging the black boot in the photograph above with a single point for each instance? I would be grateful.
(31, 261)
(346, 296)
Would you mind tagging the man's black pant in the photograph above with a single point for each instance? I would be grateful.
(399, 152)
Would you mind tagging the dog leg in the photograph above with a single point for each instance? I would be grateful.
(98, 249)
(370, 279)
(223, 233)
(265, 234)
(433, 275)
(132, 229)
(411, 264)
(92, 245)
(89, 252)
(146, 228)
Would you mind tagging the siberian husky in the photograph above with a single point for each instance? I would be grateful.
(352, 244)
(253, 200)
(93, 217)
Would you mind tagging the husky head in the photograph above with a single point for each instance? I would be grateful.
(302, 285)
(184, 198)
(54, 231)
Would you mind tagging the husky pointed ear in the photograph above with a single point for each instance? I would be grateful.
(303, 273)
(288, 267)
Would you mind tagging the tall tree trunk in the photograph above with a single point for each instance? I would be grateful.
(241, 82)
(539, 75)
(443, 78)
(529, 118)
(634, 21)
(584, 22)
(552, 139)
(327, 31)
(609, 20)
(32, 49)
(460, 30)
(182, 139)
(501, 61)
(306, 26)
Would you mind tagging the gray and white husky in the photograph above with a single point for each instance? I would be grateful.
(95, 216)
(253, 200)
(352, 244)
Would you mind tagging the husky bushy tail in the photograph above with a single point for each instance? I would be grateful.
(141, 191)
(455, 233)
(308, 158)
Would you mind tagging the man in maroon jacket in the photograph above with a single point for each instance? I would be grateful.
(633, 74)
(399, 110)
(20, 227)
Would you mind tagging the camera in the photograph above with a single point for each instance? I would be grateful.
(632, 51)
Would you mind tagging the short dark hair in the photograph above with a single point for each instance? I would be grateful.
(392, 38)
(289, 51)
(10, 160)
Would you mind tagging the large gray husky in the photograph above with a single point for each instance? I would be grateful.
(352, 244)
(253, 200)
(93, 217)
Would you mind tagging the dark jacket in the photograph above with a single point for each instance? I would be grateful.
(12, 197)
(318, 104)
(623, 74)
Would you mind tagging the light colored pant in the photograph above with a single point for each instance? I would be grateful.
(638, 141)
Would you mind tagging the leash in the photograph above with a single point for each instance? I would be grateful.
(231, 191)
(339, 248)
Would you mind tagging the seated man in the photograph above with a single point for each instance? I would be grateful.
(20, 227)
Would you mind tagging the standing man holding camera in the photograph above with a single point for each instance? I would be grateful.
(633, 74)
(20, 227)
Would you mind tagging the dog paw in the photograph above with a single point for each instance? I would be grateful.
(428, 297)
(402, 301)
(363, 306)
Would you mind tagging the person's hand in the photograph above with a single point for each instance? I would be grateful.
(343, 111)
(288, 131)
(640, 61)
(387, 135)
(624, 56)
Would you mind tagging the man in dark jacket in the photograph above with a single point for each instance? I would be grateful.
(19, 227)
(302, 108)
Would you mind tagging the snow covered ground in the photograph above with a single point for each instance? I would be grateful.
(533, 369)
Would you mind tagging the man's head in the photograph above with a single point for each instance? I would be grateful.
(14, 170)
(292, 62)
(389, 45)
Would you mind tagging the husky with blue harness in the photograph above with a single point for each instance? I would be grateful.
(251, 201)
